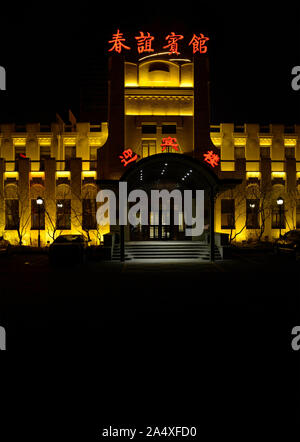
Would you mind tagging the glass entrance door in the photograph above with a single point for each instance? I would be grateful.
(162, 225)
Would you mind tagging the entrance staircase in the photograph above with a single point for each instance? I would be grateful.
(177, 250)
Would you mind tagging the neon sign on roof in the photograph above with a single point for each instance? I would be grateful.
(144, 43)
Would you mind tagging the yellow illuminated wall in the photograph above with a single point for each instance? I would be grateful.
(35, 181)
(159, 92)
(159, 73)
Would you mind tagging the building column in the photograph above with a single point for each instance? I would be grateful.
(24, 200)
(291, 188)
(76, 202)
(50, 196)
(266, 186)
(122, 243)
(212, 224)
(2, 200)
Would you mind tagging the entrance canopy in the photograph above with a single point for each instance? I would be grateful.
(171, 169)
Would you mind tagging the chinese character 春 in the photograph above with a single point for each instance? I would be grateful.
(172, 43)
(169, 142)
(211, 158)
(144, 43)
(117, 42)
(199, 43)
(127, 157)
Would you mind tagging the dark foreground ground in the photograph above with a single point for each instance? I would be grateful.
(141, 344)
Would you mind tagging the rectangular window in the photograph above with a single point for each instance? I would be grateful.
(148, 129)
(37, 216)
(19, 151)
(298, 215)
(148, 148)
(45, 154)
(93, 157)
(278, 217)
(11, 214)
(252, 214)
(180, 222)
(227, 214)
(168, 129)
(63, 214)
(89, 214)
(70, 153)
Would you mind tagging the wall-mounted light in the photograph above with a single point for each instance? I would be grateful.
(39, 202)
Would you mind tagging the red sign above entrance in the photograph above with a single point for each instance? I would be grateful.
(169, 143)
(211, 158)
(128, 157)
(145, 40)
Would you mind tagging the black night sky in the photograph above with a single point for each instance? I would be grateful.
(56, 56)
(101, 345)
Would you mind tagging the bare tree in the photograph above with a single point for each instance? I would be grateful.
(263, 208)
(18, 216)
(84, 212)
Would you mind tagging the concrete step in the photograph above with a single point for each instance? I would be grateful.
(169, 250)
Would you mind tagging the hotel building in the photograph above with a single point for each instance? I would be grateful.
(159, 113)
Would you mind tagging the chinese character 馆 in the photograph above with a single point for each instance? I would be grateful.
(199, 43)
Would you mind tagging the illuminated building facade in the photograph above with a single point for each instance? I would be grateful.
(58, 164)
(158, 115)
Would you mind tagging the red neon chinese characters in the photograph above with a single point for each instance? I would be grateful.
(169, 142)
(127, 157)
(172, 43)
(199, 43)
(117, 42)
(211, 158)
(144, 43)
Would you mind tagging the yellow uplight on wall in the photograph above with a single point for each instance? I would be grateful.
(11, 174)
(265, 141)
(89, 174)
(290, 142)
(63, 174)
(253, 174)
(130, 84)
(278, 174)
(37, 174)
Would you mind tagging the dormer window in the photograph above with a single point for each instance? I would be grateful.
(158, 66)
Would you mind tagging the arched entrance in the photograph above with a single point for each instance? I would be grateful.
(172, 171)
